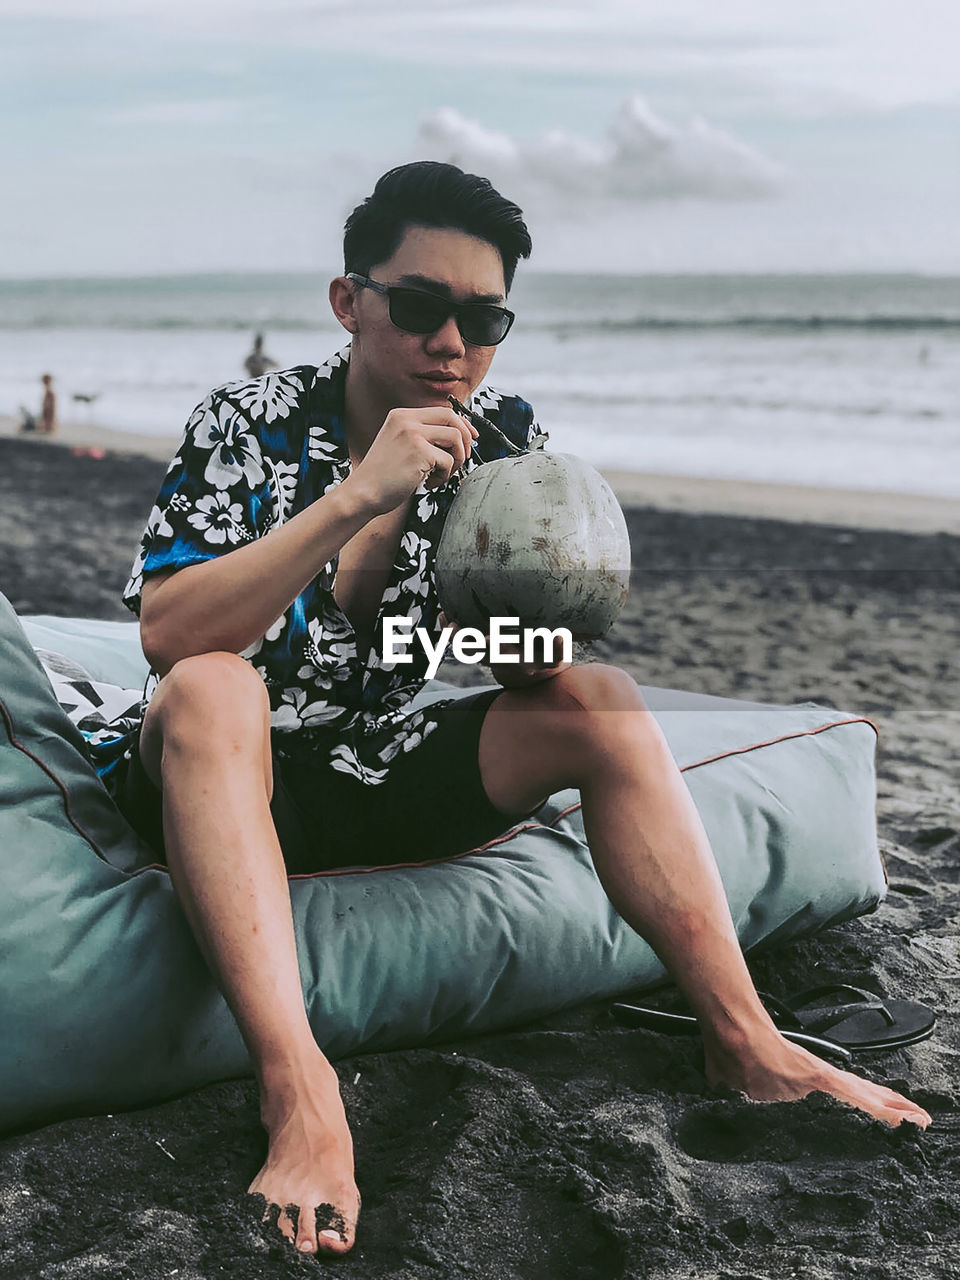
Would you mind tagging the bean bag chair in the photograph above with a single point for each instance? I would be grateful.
(106, 1002)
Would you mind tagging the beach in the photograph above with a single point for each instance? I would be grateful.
(575, 1147)
(846, 382)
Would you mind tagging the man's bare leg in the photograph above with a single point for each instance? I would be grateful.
(206, 741)
(588, 728)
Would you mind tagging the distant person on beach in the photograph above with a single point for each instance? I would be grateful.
(48, 407)
(46, 424)
(277, 742)
(257, 362)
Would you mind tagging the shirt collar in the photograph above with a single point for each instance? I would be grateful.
(328, 411)
(330, 415)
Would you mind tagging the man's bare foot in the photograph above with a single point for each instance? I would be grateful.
(771, 1069)
(308, 1174)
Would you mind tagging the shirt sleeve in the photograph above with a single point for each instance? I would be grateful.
(215, 496)
(517, 422)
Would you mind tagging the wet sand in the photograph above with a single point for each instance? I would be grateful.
(576, 1148)
(855, 508)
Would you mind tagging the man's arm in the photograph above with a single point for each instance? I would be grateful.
(228, 602)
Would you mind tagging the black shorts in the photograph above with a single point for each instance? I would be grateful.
(432, 803)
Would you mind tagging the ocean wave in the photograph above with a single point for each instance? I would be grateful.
(564, 329)
(554, 307)
(678, 400)
(774, 323)
(163, 324)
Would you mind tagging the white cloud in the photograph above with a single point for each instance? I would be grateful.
(643, 157)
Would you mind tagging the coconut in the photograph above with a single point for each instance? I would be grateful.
(539, 537)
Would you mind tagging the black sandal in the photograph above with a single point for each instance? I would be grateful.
(685, 1024)
(860, 1021)
(865, 1021)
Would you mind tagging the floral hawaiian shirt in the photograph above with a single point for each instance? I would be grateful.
(256, 453)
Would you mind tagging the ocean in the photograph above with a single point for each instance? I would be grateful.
(837, 381)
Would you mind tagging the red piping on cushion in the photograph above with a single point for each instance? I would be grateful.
(533, 826)
(431, 862)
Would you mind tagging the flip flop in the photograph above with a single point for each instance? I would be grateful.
(849, 1016)
(861, 1021)
(684, 1024)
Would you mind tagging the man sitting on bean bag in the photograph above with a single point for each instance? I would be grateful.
(302, 508)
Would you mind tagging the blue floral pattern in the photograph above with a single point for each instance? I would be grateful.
(254, 454)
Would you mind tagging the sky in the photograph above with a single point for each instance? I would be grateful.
(638, 135)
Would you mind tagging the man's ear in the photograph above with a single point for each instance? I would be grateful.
(343, 301)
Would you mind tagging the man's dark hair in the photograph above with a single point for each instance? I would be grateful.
(428, 193)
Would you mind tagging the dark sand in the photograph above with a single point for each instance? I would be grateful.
(575, 1148)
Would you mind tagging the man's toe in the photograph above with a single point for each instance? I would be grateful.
(307, 1231)
(336, 1235)
(332, 1239)
(289, 1221)
(270, 1216)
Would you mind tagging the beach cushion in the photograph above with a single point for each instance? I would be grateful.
(105, 1002)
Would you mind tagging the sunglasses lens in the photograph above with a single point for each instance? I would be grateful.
(484, 326)
(417, 312)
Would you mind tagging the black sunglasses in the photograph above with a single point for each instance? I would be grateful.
(415, 311)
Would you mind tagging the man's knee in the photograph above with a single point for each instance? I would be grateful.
(606, 720)
(207, 695)
(595, 687)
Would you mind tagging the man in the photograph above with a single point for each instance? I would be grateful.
(301, 509)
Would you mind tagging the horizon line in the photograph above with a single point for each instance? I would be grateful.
(237, 273)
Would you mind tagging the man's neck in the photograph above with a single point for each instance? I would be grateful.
(364, 411)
